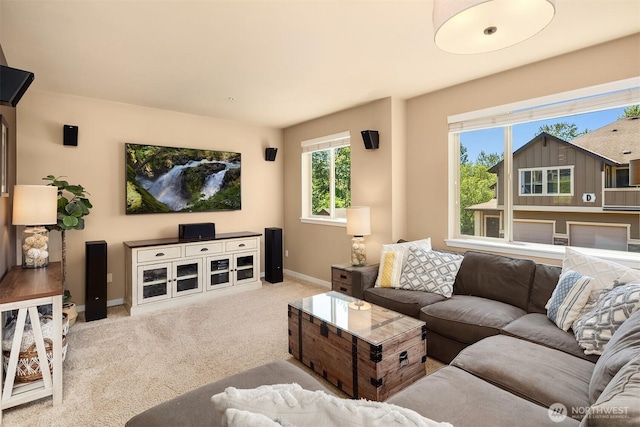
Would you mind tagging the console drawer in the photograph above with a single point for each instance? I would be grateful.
(203, 249)
(159, 254)
(240, 245)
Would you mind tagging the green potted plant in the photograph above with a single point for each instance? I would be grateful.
(73, 206)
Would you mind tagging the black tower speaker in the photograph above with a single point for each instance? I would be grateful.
(70, 135)
(270, 154)
(96, 280)
(273, 255)
(371, 139)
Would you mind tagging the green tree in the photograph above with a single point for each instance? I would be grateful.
(563, 130)
(476, 184)
(489, 160)
(321, 179)
(631, 111)
(464, 155)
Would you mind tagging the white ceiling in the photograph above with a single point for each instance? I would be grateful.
(283, 62)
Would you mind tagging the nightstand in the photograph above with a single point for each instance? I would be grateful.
(347, 279)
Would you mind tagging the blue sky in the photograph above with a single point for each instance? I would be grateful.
(491, 140)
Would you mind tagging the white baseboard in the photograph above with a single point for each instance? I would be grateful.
(308, 278)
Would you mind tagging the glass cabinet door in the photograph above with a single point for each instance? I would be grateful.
(153, 282)
(218, 272)
(187, 277)
(245, 267)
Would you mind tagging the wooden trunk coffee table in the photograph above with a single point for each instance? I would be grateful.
(365, 350)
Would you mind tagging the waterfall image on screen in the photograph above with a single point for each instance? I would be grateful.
(169, 179)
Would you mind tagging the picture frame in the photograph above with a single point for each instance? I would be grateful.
(4, 157)
(162, 179)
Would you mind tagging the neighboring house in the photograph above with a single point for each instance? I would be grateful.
(571, 193)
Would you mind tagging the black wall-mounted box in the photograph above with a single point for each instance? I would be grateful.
(197, 231)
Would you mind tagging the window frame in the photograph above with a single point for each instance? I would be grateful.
(626, 92)
(545, 180)
(324, 143)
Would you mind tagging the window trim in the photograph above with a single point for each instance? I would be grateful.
(328, 142)
(504, 115)
(545, 182)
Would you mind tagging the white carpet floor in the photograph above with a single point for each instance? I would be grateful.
(119, 366)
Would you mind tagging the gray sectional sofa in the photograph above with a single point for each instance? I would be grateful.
(508, 364)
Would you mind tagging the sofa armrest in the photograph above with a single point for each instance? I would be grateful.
(367, 279)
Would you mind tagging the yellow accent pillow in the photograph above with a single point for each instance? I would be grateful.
(393, 263)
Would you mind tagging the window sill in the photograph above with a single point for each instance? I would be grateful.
(321, 221)
(629, 259)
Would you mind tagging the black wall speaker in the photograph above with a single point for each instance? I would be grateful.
(13, 84)
(273, 255)
(70, 135)
(370, 138)
(270, 154)
(95, 280)
(196, 231)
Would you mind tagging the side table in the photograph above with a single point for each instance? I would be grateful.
(24, 290)
(347, 279)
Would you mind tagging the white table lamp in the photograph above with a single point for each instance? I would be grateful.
(358, 226)
(35, 206)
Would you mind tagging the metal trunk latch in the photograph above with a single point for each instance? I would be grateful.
(403, 359)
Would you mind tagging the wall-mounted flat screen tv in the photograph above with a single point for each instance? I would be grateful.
(170, 179)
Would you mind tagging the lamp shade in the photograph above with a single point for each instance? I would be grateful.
(358, 221)
(35, 205)
(634, 172)
(479, 26)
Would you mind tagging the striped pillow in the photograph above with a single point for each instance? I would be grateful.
(568, 298)
(390, 269)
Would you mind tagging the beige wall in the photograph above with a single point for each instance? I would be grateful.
(313, 248)
(98, 164)
(427, 168)
(406, 180)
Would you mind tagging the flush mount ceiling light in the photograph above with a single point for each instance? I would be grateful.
(479, 26)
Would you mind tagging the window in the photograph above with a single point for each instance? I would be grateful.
(556, 181)
(527, 172)
(326, 178)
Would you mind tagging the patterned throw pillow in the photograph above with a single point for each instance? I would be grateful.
(391, 265)
(606, 274)
(594, 330)
(430, 271)
(568, 298)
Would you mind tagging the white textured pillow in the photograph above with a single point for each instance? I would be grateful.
(238, 418)
(430, 271)
(568, 298)
(392, 258)
(302, 408)
(594, 330)
(605, 274)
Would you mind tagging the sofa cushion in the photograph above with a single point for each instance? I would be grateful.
(568, 298)
(453, 395)
(537, 373)
(537, 328)
(623, 346)
(594, 329)
(468, 318)
(194, 408)
(401, 300)
(619, 402)
(299, 407)
(545, 280)
(430, 271)
(496, 277)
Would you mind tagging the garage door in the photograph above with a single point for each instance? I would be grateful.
(533, 232)
(597, 236)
